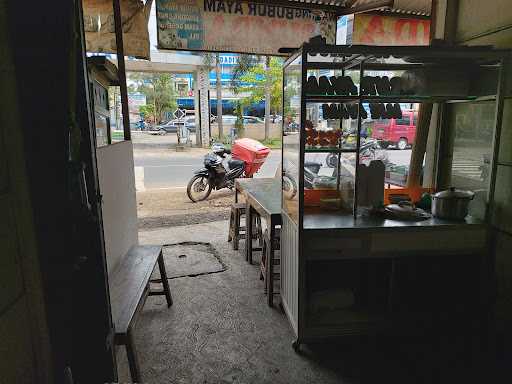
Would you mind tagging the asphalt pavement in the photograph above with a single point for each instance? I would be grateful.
(173, 170)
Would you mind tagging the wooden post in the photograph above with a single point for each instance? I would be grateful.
(121, 68)
(420, 145)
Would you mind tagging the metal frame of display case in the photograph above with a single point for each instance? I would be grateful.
(293, 257)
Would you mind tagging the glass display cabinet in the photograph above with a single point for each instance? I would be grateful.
(345, 268)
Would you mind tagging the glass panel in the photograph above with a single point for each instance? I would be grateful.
(332, 82)
(325, 130)
(101, 130)
(409, 81)
(329, 181)
(390, 140)
(291, 137)
(116, 123)
(473, 124)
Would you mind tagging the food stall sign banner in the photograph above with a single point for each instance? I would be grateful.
(388, 30)
(99, 27)
(238, 26)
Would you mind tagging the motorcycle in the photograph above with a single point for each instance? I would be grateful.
(220, 171)
(369, 150)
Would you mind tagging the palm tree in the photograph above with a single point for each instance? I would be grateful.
(268, 88)
(249, 69)
(218, 86)
(245, 64)
(211, 61)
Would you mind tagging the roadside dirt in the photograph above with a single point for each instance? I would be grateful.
(171, 207)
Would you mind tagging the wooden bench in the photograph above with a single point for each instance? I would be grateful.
(129, 288)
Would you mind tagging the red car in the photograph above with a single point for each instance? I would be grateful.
(398, 132)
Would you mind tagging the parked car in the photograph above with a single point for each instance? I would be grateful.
(172, 125)
(252, 120)
(228, 119)
(231, 120)
(169, 127)
(398, 132)
(275, 118)
(155, 130)
(190, 123)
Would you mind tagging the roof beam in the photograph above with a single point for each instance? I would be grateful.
(338, 10)
(367, 7)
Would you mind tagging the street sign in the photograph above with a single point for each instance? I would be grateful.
(179, 113)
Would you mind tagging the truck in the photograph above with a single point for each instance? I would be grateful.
(397, 132)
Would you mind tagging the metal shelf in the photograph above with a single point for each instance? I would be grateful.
(330, 98)
(311, 66)
(329, 150)
(390, 99)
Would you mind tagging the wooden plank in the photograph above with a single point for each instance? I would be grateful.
(128, 282)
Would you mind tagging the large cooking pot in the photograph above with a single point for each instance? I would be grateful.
(451, 204)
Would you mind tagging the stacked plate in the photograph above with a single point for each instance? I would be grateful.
(405, 211)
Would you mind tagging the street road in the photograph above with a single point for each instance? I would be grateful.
(168, 169)
(161, 170)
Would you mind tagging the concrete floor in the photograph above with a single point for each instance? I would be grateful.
(220, 330)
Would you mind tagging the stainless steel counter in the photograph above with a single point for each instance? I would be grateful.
(316, 219)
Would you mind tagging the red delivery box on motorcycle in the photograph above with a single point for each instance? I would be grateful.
(252, 152)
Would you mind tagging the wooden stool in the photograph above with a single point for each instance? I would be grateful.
(238, 231)
(265, 259)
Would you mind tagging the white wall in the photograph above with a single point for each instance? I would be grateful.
(117, 186)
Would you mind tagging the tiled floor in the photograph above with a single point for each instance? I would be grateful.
(220, 330)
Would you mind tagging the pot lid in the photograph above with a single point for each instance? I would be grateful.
(454, 193)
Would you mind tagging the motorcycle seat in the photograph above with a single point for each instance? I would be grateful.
(234, 163)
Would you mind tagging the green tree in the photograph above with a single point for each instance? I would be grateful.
(159, 91)
(147, 110)
(260, 82)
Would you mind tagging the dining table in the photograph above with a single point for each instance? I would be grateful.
(262, 196)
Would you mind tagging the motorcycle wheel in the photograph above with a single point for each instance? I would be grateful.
(198, 188)
(289, 187)
(332, 160)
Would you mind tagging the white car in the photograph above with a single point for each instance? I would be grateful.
(231, 120)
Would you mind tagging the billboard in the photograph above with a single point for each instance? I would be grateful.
(99, 27)
(388, 30)
(238, 26)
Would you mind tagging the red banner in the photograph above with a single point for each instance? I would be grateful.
(387, 30)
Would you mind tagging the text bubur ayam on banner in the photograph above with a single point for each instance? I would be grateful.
(238, 26)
